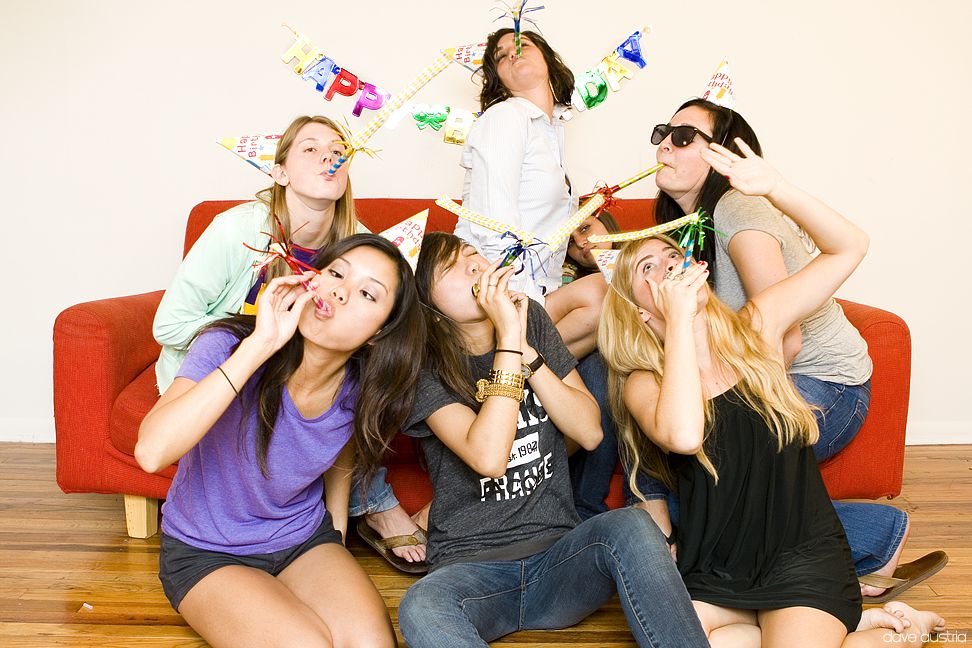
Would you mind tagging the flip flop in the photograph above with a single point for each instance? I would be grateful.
(384, 546)
(905, 577)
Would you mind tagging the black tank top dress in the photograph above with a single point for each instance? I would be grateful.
(766, 536)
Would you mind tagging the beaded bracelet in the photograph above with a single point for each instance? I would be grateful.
(485, 389)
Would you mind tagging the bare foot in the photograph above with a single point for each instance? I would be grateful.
(395, 522)
(881, 618)
(888, 569)
(922, 623)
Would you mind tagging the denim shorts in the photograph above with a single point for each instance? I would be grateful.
(182, 566)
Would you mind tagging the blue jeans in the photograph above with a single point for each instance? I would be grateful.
(841, 413)
(874, 532)
(622, 551)
(378, 496)
(591, 470)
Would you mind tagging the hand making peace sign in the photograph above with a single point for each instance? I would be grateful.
(750, 174)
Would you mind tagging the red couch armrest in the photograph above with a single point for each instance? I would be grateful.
(99, 348)
(873, 464)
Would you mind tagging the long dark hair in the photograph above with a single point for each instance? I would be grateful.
(447, 357)
(561, 78)
(727, 125)
(385, 368)
(612, 227)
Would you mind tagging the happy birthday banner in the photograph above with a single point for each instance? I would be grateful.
(591, 87)
(314, 66)
(331, 79)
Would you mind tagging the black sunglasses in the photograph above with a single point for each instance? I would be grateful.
(681, 135)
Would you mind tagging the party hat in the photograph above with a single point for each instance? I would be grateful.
(605, 260)
(258, 150)
(470, 56)
(719, 88)
(407, 236)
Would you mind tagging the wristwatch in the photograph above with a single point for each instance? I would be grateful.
(529, 369)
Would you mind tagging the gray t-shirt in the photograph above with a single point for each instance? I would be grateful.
(832, 349)
(475, 518)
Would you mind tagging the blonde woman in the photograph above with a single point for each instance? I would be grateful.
(219, 274)
(702, 397)
(218, 277)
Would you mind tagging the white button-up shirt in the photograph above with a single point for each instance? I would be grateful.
(516, 173)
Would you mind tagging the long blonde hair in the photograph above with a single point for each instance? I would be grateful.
(345, 221)
(628, 345)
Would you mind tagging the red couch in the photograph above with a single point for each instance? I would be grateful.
(104, 384)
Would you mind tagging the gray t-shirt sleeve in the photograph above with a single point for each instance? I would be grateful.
(736, 212)
(833, 349)
(431, 396)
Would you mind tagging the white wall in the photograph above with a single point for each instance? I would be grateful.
(109, 111)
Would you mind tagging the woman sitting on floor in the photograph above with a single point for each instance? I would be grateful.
(757, 246)
(497, 399)
(701, 395)
(264, 417)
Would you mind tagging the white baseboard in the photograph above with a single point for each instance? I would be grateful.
(27, 430)
(939, 432)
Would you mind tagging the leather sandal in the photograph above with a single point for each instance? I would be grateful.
(384, 546)
(906, 576)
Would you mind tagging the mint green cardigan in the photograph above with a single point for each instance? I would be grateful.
(211, 283)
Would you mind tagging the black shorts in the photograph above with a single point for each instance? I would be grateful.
(181, 566)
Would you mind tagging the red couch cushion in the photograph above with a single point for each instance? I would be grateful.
(131, 406)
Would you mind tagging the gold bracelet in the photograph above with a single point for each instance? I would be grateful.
(485, 389)
(508, 378)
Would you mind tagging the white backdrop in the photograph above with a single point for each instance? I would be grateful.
(110, 109)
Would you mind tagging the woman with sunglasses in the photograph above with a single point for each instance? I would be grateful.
(758, 246)
(516, 173)
(702, 398)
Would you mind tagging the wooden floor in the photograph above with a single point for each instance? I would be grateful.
(70, 576)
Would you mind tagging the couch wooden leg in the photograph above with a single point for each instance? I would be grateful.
(142, 516)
